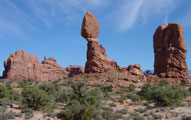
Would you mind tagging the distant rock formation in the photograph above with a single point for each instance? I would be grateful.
(135, 70)
(74, 70)
(170, 52)
(22, 66)
(97, 60)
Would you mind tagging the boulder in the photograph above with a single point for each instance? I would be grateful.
(170, 52)
(135, 70)
(90, 26)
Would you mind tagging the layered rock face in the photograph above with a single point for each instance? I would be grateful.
(97, 60)
(170, 52)
(22, 66)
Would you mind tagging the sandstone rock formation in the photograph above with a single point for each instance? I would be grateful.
(170, 52)
(97, 60)
(135, 70)
(22, 66)
(90, 26)
(74, 70)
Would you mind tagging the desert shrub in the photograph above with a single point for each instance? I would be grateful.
(122, 90)
(18, 115)
(134, 97)
(4, 92)
(34, 97)
(163, 95)
(27, 110)
(123, 111)
(138, 117)
(14, 95)
(51, 89)
(185, 117)
(189, 89)
(109, 115)
(23, 84)
(29, 115)
(106, 88)
(122, 98)
(7, 115)
(64, 95)
(163, 83)
(131, 88)
(50, 106)
(3, 109)
(109, 79)
(112, 104)
(157, 116)
(183, 82)
(84, 104)
(5, 102)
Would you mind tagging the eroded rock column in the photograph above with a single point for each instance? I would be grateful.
(97, 60)
(170, 52)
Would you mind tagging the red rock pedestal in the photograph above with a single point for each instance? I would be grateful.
(170, 52)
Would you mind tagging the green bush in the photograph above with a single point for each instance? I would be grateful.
(23, 84)
(106, 88)
(183, 82)
(35, 98)
(134, 97)
(4, 92)
(163, 83)
(51, 89)
(84, 104)
(109, 115)
(63, 95)
(163, 95)
(131, 88)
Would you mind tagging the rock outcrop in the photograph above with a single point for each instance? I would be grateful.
(97, 60)
(74, 70)
(170, 52)
(135, 70)
(22, 66)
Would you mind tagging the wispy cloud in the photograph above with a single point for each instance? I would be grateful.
(132, 11)
(50, 11)
(13, 20)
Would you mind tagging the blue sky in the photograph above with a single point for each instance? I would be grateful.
(52, 28)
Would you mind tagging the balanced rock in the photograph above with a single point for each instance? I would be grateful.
(90, 26)
(170, 52)
(97, 60)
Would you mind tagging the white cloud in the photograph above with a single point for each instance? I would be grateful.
(132, 11)
(50, 11)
